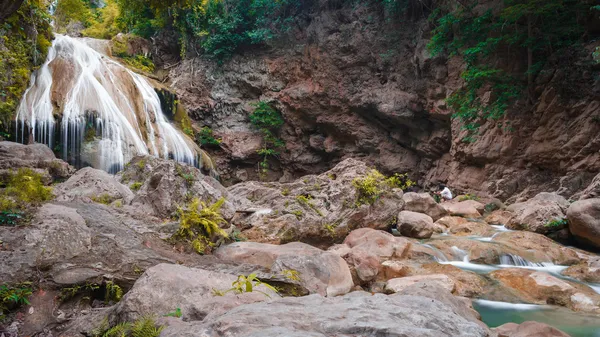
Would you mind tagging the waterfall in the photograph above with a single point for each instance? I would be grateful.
(97, 101)
(515, 260)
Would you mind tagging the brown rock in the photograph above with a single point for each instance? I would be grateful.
(528, 329)
(423, 203)
(544, 248)
(498, 217)
(451, 221)
(535, 214)
(465, 209)
(415, 225)
(584, 221)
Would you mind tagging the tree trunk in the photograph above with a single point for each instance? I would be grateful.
(8, 7)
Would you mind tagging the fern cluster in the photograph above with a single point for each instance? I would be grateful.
(143, 327)
(200, 225)
(13, 296)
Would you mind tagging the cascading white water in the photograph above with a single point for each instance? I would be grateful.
(97, 99)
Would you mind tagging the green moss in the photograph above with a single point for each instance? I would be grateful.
(372, 186)
(468, 197)
(285, 192)
(22, 189)
(206, 137)
(306, 201)
(24, 41)
(103, 198)
(136, 186)
(298, 213)
(139, 62)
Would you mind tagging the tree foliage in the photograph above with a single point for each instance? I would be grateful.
(528, 31)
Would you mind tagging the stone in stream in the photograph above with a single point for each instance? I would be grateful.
(528, 329)
(584, 221)
(415, 225)
(319, 271)
(423, 203)
(398, 284)
(498, 217)
(467, 208)
(536, 214)
(542, 288)
(355, 314)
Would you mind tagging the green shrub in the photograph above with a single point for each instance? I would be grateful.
(268, 120)
(245, 284)
(13, 296)
(113, 293)
(139, 62)
(104, 198)
(468, 197)
(556, 223)
(136, 186)
(199, 225)
(68, 11)
(206, 137)
(22, 189)
(371, 187)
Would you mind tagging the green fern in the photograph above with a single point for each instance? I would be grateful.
(145, 327)
(200, 225)
(119, 330)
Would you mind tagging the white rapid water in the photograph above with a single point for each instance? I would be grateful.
(96, 99)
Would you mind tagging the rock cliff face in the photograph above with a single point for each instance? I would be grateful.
(350, 83)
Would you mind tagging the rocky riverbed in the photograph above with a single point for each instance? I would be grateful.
(325, 263)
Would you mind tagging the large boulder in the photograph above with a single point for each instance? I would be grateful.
(396, 285)
(163, 185)
(528, 329)
(537, 214)
(319, 210)
(356, 314)
(165, 287)
(364, 249)
(93, 184)
(423, 203)
(584, 221)
(35, 156)
(319, 271)
(415, 225)
(538, 247)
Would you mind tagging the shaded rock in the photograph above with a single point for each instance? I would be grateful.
(467, 208)
(35, 156)
(423, 203)
(319, 271)
(415, 225)
(319, 210)
(165, 287)
(541, 288)
(355, 314)
(499, 217)
(399, 284)
(92, 184)
(394, 269)
(535, 214)
(584, 221)
(166, 184)
(528, 329)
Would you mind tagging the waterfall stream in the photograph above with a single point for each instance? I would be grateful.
(106, 113)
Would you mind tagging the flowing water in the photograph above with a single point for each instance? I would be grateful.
(104, 113)
(497, 313)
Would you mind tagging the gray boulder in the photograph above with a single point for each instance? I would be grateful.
(319, 271)
(355, 314)
(319, 210)
(423, 203)
(165, 287)
(93, 184)
(36, 156)
(163, 185)
(584, 221)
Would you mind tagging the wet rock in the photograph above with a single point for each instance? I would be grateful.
(467, 208)
(584, 221)
(528, 329)
(92, 184)
(478, 228)
(165, 287)
(587, 271)
(396, 285)
(423, 203)
(538, 248)
(35, 156)
(354, 314)
(536, 214)
(542, 288)
(319, 210)
(451, 221)
(163, 185)
(415, 225)
(319, 271)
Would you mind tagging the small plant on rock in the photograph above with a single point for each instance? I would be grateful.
(374, 185)
(200, 224)
(114, 293)
(468, 197)
(23, 188)
(206, 137)
(556, 223)
(13, 296)
(245, 284)
(143, 327)
(136, 186)
(291, 274)
(177, 313)
(268, 120)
